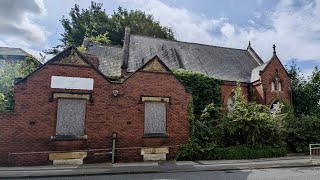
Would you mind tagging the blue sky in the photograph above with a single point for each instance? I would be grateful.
(293, 25)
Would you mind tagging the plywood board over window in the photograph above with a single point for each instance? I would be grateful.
(71, 117)
(155, 118)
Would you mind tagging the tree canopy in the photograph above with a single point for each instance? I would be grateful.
(94, 22)
(7, 78)
(305, 92)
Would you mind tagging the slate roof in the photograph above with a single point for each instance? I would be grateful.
(218, 62)
(12, 51)
(110, 58)
(255, 72)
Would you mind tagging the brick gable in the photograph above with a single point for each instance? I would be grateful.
(28, 131)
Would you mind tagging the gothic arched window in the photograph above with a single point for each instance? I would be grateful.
(279, 86)
(230, 102)
(273, 86)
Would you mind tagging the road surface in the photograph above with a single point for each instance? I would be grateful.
(302, 173)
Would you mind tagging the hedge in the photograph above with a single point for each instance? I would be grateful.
(235, 152)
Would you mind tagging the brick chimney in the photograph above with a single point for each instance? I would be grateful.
(125, 58)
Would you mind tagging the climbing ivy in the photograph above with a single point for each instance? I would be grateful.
(204, 89)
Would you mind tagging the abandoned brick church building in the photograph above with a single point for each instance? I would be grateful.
(68, 110)
(266, 82)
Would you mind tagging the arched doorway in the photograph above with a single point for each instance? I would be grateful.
(275, 106)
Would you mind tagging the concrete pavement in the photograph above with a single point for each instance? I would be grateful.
(299, 173)
(155, 167)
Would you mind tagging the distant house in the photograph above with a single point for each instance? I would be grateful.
(9, 54)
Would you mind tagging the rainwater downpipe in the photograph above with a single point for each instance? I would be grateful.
(113, 154)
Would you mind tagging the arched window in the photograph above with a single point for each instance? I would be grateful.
(230, 103)
(279, 86)
(273, 86)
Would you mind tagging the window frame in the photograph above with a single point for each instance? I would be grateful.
(60, 137)
(148, 99)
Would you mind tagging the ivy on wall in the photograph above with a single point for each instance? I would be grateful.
(204, 89)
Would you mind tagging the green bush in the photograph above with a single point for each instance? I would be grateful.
(205, 90)
(191, 151)
(249, 132)
(252, 124)
(303, 131)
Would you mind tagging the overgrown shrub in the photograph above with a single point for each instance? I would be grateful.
(250, 131)
(303, 131)
(205, 90)
(252, 124)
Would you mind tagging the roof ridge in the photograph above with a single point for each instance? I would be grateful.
(185, 42)
(106, 45)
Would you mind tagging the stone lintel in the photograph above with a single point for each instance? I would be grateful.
(71, 96)
(156, 99)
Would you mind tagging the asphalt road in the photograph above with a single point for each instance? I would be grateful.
(303, 173)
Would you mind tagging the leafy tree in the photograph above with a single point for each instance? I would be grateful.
(303, 131)
(139, 22)
(94, 22)
(7, 78)
(313, 86)
(305, 93)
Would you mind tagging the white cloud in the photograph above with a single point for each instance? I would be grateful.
(295, 30)
(16, 26)
(186, 25)
(228, 30)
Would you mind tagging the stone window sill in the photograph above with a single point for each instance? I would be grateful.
(68, 138)
(156, 135)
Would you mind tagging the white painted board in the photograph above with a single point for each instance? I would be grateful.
(63, 82)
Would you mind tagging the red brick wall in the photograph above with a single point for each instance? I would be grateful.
(31, 126)
(257, 93)
(267, 75)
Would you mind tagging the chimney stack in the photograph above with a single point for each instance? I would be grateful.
(125, 58)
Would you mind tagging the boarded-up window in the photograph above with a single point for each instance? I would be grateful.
(71, 117)
(155, 118)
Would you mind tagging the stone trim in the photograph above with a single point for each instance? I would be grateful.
(155, 99)
(71, 96)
